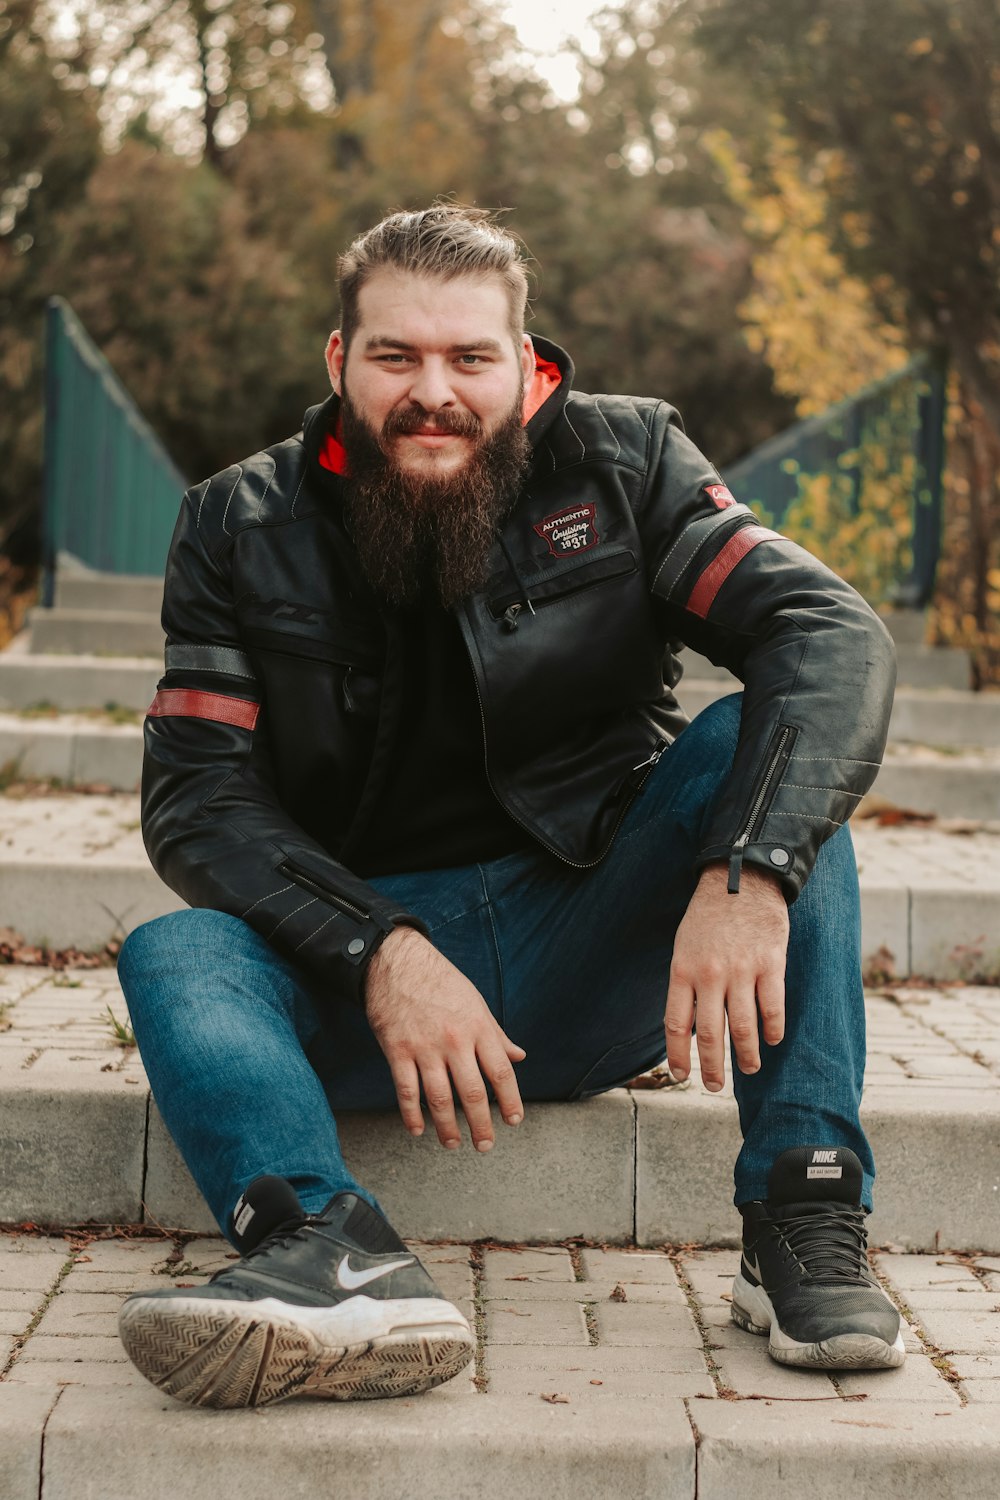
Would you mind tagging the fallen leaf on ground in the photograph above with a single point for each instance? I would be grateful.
(554, 1398)
(656, 1078)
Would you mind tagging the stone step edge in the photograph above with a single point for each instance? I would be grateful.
(629, 1167)
(462, 1447)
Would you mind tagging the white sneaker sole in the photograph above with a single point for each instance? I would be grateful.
(220, 1353)
(752, 1309)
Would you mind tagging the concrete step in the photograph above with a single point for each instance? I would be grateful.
(82, 1140)
(917, 667)
(944, 718)
(73, 873)
(102, 591)
(76, 682)
(958, 784)
(74, 749)
(598, 1373)
(82, 632)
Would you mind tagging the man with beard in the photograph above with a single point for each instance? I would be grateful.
(417, 764)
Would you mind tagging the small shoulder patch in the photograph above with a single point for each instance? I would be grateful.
(720, 496)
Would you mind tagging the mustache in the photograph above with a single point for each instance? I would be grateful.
(407, 420)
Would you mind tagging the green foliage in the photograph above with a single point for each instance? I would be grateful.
(122, 1034)
(49, 144)
(866, 540)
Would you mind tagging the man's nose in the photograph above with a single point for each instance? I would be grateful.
(431, 388)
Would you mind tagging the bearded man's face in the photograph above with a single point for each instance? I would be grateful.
(431, 413)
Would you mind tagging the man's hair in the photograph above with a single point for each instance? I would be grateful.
(446, 240)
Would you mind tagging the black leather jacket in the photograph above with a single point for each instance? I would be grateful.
(268, 739)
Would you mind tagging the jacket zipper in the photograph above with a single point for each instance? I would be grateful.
(314, 887)
(782, 750)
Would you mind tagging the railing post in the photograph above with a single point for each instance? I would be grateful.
(53, 318)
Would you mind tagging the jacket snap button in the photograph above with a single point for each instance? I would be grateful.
(779, 856)
(356, 945)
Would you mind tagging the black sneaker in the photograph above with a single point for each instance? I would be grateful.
(330, 1304)
(805, 1277)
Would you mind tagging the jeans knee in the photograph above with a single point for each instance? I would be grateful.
(708, 744)
(718, 725)
(165, 940)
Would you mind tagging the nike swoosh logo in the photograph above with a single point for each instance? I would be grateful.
(753, 1266)
(351, 1280)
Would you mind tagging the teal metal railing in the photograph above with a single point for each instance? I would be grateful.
(901, 419)
(111, 492)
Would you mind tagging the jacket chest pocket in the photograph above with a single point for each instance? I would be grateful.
(344, 672)
(577, 642)
(557, 585)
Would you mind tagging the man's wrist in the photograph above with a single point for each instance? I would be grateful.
(387, 954)
(715, 877)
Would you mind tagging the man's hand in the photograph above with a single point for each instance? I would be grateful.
(729, 957)
(436, 1029)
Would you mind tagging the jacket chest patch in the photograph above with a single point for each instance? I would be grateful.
(571, 530)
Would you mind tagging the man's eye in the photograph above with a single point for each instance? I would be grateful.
(471, 359)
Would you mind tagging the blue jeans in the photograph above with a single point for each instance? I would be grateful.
(249, 1058)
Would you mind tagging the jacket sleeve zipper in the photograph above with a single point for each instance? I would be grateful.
(782, 750)
(330, 897)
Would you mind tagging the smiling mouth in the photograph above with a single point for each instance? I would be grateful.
(432, 437)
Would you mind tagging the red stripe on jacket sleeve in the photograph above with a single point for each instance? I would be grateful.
(188, 704)
(711, 580)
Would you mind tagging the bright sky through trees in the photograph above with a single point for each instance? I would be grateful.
(544, 26)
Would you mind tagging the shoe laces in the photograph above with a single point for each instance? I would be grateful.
(279, 1238)
(829, 1244)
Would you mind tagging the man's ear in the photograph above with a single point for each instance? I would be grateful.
(527, 360)
(335, 354)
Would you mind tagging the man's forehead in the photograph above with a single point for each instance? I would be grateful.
(406, 307)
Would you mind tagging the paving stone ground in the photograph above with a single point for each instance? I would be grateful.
(631, 1346)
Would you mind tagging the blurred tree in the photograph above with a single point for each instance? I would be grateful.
(203, 321)
(200, 71)
(643, 258)
(49, 142)
(816, 323)
(905, 94)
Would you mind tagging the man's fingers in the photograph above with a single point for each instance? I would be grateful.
(496, 1067)
(407, 1082)
(475, 1102)
(771, 1003)
(741, 1008)
(710, 1033)
(441, 1103)
(679, 1019)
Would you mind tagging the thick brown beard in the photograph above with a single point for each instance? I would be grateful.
(421, 537)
